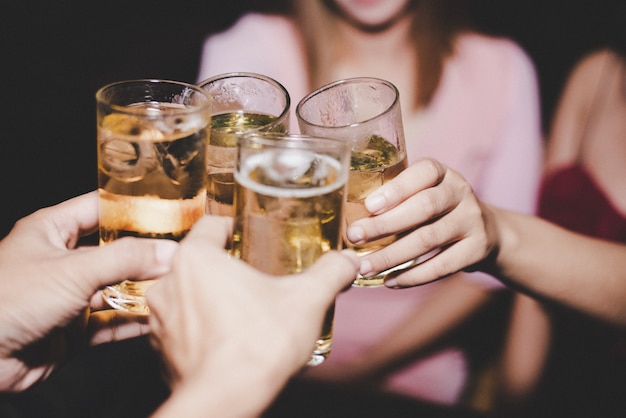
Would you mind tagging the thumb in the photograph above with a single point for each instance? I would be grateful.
(334, 271)
(125, 258)
(213, 230)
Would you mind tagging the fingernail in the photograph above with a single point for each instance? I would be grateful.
(164, 251)
(366, 267)
(355, 234)
(391, 282)
(375, 202)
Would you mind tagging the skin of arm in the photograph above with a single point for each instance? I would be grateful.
(526, 349)
(548, 261)
(230, 335)
(577, 105)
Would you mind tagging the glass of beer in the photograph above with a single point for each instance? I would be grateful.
(364, 112)
(152, 154)
(288, 205)
(242, 103)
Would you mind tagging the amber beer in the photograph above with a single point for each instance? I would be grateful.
(364, 112)
(288, 206)
(379, 162)
(151, 177)
(242, 103)
(225, 129)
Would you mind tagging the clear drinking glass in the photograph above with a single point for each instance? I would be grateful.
(289, 200)
(242, 103)
(152, 156)
(365, 112)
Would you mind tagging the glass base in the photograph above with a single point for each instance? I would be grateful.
(374, 281)
(128, 296)
(316, 360)
(321, 352)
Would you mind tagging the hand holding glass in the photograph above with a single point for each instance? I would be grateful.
(152, 155)
(364, 112)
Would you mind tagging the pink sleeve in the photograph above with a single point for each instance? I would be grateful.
(239, 48)
(518, 151)
(259, 43)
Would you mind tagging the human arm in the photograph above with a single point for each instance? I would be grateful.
(47, 284)
(527, 344)
(231, 335)
(524, 251)
(550, 262)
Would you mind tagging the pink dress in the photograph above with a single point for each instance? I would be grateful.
(483, 122)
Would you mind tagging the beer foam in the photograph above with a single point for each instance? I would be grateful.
(292, 164)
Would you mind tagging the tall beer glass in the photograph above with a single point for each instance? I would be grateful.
(152, 155)
(289, 199)
(365, 112)
(242, 103)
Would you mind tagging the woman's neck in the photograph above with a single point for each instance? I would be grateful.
(389, 55)
(358, 47)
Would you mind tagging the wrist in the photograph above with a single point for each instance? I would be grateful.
(224, 387)
(517, 246)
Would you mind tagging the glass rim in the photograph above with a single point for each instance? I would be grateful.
(338, 151)
(248, 74)
(346, 81)
(289, 140)
(194, 108)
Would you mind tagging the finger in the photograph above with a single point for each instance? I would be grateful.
(125, 258)
(333, 272)
(418, 209)
(113, 325)
(449, 261)
(411, 246)
(65, 222)
(216, 230)
(76, 214)
(421, 175)
(424, 239)
(97, 303)
(81, 210)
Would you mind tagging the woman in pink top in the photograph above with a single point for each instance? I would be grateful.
(468, 100)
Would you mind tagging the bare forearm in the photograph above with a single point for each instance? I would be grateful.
(210, 400)
(224, 389)
(584, 273)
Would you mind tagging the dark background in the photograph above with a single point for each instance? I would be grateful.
(56, 54)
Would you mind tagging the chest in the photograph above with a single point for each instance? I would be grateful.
(605, 147)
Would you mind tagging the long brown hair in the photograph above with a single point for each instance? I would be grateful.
(435, 27)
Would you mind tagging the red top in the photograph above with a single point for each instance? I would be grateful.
(571, 198)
